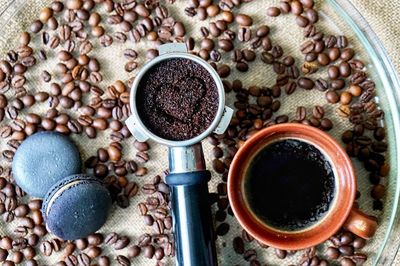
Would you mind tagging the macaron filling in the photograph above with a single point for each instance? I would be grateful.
(58, 193)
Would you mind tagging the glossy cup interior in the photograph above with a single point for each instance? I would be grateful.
(345, 188)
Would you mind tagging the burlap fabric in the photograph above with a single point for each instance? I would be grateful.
(383, 17)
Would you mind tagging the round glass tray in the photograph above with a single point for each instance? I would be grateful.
(339, 17)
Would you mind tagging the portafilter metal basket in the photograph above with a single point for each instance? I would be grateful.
(188, 177)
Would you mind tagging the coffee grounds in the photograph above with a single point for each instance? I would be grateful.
(177, 99)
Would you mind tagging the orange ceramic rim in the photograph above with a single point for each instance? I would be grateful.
(344, 195)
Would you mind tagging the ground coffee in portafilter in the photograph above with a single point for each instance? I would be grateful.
(289, 185)
(177, 99)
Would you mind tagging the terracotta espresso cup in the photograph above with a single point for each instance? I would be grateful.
(341, 211)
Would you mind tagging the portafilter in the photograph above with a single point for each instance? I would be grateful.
(188, 177)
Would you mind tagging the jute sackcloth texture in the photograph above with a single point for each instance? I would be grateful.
(382, 16)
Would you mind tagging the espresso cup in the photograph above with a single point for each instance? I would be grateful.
(340, 213)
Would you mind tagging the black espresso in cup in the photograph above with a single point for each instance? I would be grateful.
(289, 184)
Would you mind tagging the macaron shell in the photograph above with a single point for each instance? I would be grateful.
(63, 183)
(79, 210)
(43, 159)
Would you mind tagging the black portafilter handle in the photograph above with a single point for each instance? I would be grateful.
(191, 208)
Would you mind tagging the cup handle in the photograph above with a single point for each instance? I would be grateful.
(361, 224)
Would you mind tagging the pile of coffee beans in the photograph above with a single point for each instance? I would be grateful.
(78, 103)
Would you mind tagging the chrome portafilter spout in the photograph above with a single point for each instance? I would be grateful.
(194, 234)
(188, 177)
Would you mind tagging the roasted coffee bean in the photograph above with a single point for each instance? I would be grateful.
(81, 244)
(144, 240)
(123, 261)
(8, 155)
(222, 229)
(301, 113)
(302, 21)
(290, 87)
(318, 112)
(95, 239)
(363, 140)
(148, 251)
(378, 191)
(344, 69)
(36, 26)
(346, 250)
(359, 243)
(111, 238)
(100, 170)
(281, 119)
(74, 126)
(250, 255)
(343, 111)
(29, 253)
(46, 248)
(273, 11)
(93, 252)
(242, 66)
(332, 96)
(21, 211)
(323, 59)
(141, 171)
(40, 230)
(333, 53)
(284, 7)
(321, 84)
(347, 54)
(21, 231)
(17, 257)
(103, 261)
(305, 83)
(218, 166)
(267, 58)
(243, 20)
(158, 226)
(121, 243)
(326, 124)
(71, 260)
(215, 56)
(244, 34)
(379, 133)
(224, 71)
(83, 259)
(281, 254)
(6, 243)
(148, 220)
(312, 15)
(379, 146)
(10, 204)
(159, 253)
(262, 31)
(130, 66)
(238, 245)
(225, 45)
(333, 72)
(237, 55)
(276, 51)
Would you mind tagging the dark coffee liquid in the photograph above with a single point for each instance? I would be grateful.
(289, 185)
